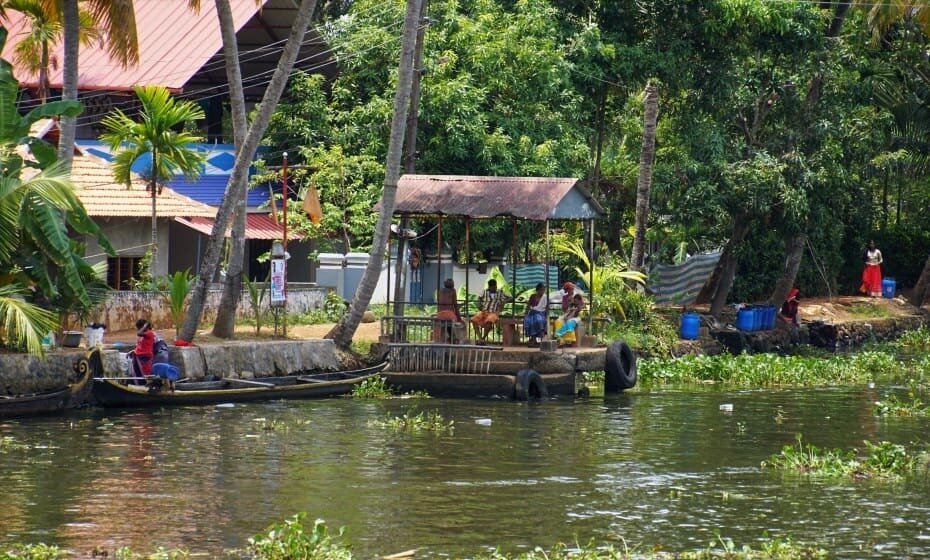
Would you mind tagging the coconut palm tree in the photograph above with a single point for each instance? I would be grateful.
(158, 137)
(34, 49)
(39, 214)
(117, 21)
(343, 332)
(235, 190)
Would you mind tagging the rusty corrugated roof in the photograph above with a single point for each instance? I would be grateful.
(530, 198)
(174, 43)
(257, 226)
(102, 196)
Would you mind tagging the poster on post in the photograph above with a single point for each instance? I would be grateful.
(278, 267)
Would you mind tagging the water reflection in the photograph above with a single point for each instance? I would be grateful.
(665, 468)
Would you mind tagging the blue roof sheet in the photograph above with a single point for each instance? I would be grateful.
(209, 188)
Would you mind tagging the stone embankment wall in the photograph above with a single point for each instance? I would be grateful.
(832, 336)
(122, 308)
(21, 373)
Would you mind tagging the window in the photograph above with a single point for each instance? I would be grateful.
(121, 271)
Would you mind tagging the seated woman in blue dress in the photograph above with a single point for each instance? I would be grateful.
(534, 322)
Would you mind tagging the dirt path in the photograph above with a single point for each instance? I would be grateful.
(832, 310)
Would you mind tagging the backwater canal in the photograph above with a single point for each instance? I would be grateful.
(665, 468)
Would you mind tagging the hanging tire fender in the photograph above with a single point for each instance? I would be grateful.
(528, 384)
(619, 367)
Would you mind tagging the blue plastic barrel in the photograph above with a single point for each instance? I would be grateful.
(690, 326)
(888, 287)
(744, 319)
(757, 315)
(769, 317)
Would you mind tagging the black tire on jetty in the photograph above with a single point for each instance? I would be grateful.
(619, 367)
(529, 385)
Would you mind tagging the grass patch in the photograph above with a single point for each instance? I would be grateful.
(865, 310)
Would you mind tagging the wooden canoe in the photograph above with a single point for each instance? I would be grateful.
(111, 392)
(71, 396)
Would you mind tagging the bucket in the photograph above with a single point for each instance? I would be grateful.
(744, 318)
(93, 336)
(690, 326)
(71, 339)
(888, 287)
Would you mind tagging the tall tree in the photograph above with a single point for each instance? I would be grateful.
(244, 154)
(644, 183)
(159, 137)
(343, 332)
(225, 324)
(796, 243)
(34, 51)
(118, 21)
(39, 211)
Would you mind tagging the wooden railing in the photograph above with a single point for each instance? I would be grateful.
(440, 358)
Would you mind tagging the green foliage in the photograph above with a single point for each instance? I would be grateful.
(918, 339)
(290, 540)
(23, 324)
(607, 280)
(413, 421)
(895, 405)
(154, 136)
(644, 328)
(762, 370)
(175, 288)
(161, 553)
(32, 552)
(257, 293)
(375, 387)
(42, 225)
(883, 460)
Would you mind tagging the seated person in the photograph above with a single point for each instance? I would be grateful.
(490, 303)
(567, 324)
(447, 311)
(143, 355)
(534, 322)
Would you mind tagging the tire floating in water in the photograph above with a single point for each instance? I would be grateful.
(619, 367)
(529, 385)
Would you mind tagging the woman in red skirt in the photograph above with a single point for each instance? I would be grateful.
(872, 272)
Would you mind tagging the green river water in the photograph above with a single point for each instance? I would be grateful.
(664, 468)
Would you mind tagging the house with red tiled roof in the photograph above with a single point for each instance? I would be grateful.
(181, 50)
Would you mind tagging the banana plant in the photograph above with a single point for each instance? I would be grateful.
(42, 222)
(605, 280)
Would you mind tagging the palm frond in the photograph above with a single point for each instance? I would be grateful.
(24, 323)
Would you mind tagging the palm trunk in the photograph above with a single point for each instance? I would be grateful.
(153, 185)
(225, 324)
(69, 87)
(795, 251)
(343, 332)
(644, 183)
(240, 171)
